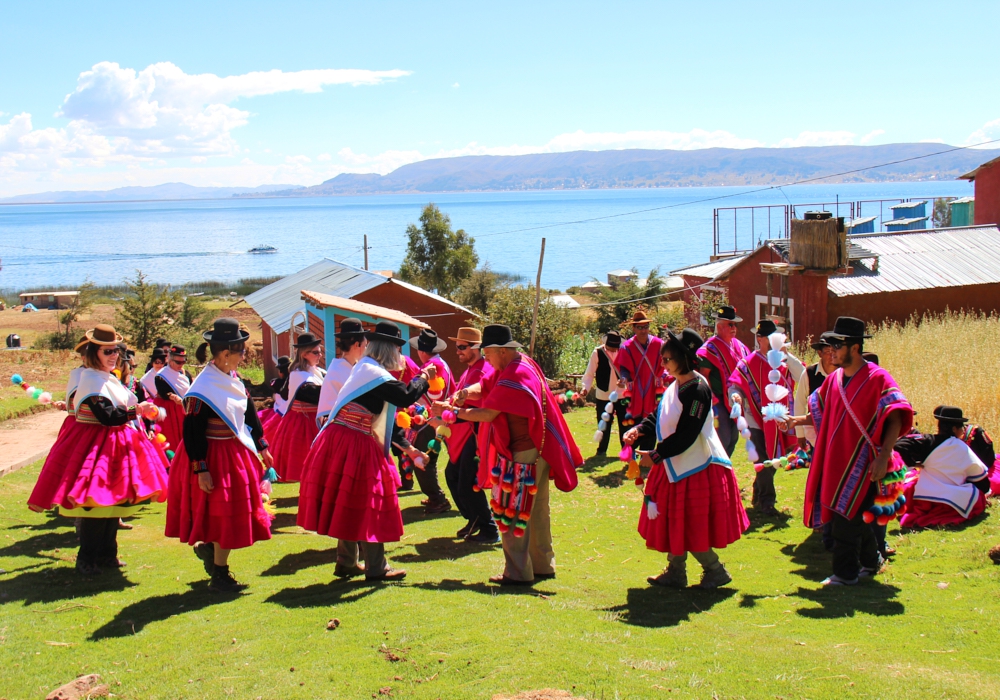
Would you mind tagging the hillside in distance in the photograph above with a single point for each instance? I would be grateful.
(168, 190)
(657, 168)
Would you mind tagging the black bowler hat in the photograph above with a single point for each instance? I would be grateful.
(306, 340)
(765, 328)
(428, 342)
(497, 336)
(224, 330)
(848, 327)
(870, 357)
(179, 351)
(613, 340)
(283, 362)
(388, 331)
(727, 313)
(350, 328)
(688, 340)
(158, 354)
(950, 414)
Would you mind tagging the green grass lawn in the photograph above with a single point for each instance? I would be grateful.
(928, 628)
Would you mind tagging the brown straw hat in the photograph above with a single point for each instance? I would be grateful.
(639, 318)
(472, 336)
(103, 334)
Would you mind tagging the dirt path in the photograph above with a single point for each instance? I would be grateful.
(26, 440)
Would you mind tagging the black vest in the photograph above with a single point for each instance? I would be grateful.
(602, 378)
(815, 378)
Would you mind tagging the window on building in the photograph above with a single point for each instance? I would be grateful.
(785, 316)
(274, 346)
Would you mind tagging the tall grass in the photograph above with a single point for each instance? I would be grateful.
(945, 359)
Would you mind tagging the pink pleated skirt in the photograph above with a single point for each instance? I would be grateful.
(293, 435)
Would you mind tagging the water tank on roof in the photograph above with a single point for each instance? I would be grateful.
(817, 215)
(818, 242)
(13, 340)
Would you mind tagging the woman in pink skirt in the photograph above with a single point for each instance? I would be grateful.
(692, 501)
(172, 383)
(101, 466)
(215, 501)
(293, 434)
(349, 481)
(269, 417)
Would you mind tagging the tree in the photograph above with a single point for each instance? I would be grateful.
(146, 311)
(437, 258)
(511, 306)
(78, 307)
(478, 289)
(703, 309)
(191, 313)
(941, 216)
(614, 315)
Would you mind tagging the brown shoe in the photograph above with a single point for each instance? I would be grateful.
(443, 507)
(507, 581)
(388, 575)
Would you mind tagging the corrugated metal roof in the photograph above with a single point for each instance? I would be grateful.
(925, 259)
(712, 270)
(432, 295)
(971, 175)
(276, 302)
(905, 222)
(857, 222)
(565, 301)
(962, 200)
(360, 307)
(854, 251)
(908, 205)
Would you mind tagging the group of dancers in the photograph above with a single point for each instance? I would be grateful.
(681, 404)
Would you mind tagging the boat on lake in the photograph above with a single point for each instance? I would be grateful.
(261, 248)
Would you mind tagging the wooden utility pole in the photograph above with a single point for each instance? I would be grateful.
(538, 294)
(366, 251)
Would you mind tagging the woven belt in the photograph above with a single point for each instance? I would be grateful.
(356, 417)
(303, 407)
(218, 430)
(84, 414)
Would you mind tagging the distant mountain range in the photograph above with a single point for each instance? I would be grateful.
(169, 190)
(656, 168)
(594, 170)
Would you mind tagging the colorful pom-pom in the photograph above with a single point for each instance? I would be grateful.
(598, 435)
(443, 431)
(436, 385)
(169, 453)
(626, 454)
(161, 438)
(448, 416)
(45, 398)
(752, 452)
(868, 516)
(613, 396)
(16, 379)
(403, 420)
(560, 399)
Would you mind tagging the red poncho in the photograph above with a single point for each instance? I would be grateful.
(724, 358)
(839, 474)
(750, 377)
(641, 368)
(521, 389)
(463, 430)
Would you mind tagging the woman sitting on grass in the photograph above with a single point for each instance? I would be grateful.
(215, 501)
(101, 466)
(294, 432)
(692, 500)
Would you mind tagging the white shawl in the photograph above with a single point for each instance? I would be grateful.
(946, 475)
(707, 447)
(336, 375)
(227, 396)
(365, 376)
(178, 381)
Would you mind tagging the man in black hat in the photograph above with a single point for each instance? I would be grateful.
(602, 374)
(858, 413)
(717, 359)
(429, 348)
(954, 470)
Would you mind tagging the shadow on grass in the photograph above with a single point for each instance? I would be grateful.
(286, 502)
(610, 480)
(653, 606)
(133, 618)
(52, 521)
(320, 595)
(441, 549)
(811, 555)
(484, 587)
(767, 523)
(592, 464)
(956, 527)
(835, 602)
(55, 583)
(283, 520)
(297, 561)
(415, 514)
(35, 545)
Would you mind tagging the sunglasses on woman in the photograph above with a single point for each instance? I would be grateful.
(108, 352)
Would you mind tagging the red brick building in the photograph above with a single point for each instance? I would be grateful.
(987, 181)
(282, 305)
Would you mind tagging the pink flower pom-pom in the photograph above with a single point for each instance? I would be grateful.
(45, 398)
(156, 427)
(448, 416)
(265, 486)
(626, 454)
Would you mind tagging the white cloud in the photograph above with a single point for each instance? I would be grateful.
(987, 132)
(818, 138)
(323, 157)
(456, 85)
(871, 136)
(298, 160)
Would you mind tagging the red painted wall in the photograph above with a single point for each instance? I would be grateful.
(899, 306)
(988, 195)
(270, 371)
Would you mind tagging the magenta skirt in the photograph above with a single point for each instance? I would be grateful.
(702, 512)
(233, 514)
(293, 435)
(921, 513)
(172, 426)
(349, 488)
(94, 466)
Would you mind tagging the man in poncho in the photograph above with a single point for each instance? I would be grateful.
(858, 413)
(747, 387)
(523, 442)
(638, 364)
(717, 359)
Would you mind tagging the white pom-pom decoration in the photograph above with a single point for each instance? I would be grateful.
(774, 358)
(777, 340)
(602, 426)
(598, 436)
(613, 396)
(605, 416)
(741, 425)
(776, 392)
(774, 376)
(745, 434)
(736, 411)
(752, 452)
(46, 397)
(609, 407)
(652, 511)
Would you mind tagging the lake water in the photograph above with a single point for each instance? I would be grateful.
(177, 242)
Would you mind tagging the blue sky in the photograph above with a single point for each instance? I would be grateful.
(94, 96)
